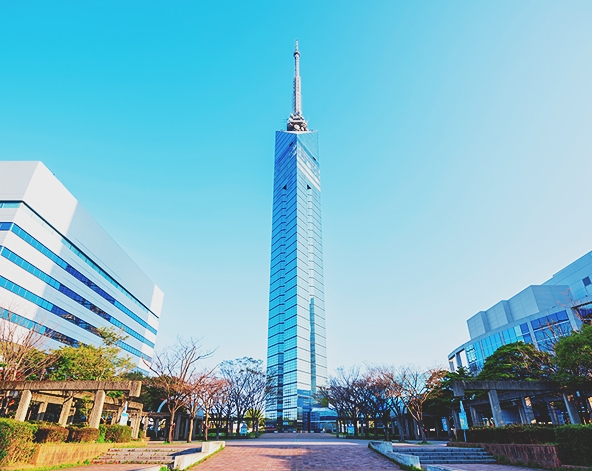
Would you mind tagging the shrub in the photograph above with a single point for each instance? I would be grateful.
(83, 434)
(518, 434)
(53, 433)
(102, 432)
(573, 444)
(16, 441)
(118, 433)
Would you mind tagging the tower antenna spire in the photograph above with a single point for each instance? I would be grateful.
(296, 122)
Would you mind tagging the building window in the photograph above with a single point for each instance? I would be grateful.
(587, 281)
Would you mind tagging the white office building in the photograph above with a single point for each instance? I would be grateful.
(539, 314)
(62, 274)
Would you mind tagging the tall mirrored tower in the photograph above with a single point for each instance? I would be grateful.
(296, 345)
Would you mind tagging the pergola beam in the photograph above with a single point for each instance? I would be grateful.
(133, 388)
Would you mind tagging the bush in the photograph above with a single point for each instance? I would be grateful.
(118, 433)
(518, 434)
(83, 434)
(102, 431)
(573, 444)
(16, 441)
(51, 433)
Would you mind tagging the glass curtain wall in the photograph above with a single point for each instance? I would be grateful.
(296, 357)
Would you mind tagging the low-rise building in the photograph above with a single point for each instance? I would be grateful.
(540, 314)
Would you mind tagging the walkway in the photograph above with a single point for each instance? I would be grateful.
(297, 452)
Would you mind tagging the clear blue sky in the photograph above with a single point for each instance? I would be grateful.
(455, 152)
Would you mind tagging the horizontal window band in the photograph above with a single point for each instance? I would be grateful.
(33, 270)
(63, 314)
(24, 235)
(89, 262)
(36, 327)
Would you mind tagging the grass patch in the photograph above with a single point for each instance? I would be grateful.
(203, 459)
(45, 468)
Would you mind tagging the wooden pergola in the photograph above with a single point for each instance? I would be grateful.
(64, 393)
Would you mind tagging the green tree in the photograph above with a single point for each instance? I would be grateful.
(91, 363)
(517, 361)
(573, 357)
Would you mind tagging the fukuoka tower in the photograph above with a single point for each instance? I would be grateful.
(296, 342)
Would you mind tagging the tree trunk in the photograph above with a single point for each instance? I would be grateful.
(419, 427)
(239, 420)
(171, 426)
(401, 428)
(190, 431)
(205, 425)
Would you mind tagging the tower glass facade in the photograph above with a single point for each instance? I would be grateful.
(296, 354)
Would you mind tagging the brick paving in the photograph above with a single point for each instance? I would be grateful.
(287, 452)
(296, 454)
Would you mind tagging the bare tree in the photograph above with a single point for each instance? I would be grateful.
(174, 367)
(221, 407)
(22, 353)
(344, 395)
(212, 394)
(247, 384)
(195, 391)
(376, 400)
(416, 387)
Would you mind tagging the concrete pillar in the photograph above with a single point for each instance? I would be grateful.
(526, 408)
(41, 411)
(136, 425)
(97, 410)
(553, 414)
(496, 409)
(572, 410)
(477, 422)
(23, 407)
(65, 413)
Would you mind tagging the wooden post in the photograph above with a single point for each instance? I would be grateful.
(41, 411)
(97, 410)
(23, 407)
(572, 410)
(496, 409)
(136, 424)
(528, 412)
(65, 413)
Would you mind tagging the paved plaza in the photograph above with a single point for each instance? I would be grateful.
(291, 452)
(296, 452)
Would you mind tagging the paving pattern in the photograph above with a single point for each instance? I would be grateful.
(296, 455)
(284, 452)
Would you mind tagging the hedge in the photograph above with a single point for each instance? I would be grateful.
(51, 433)
(83, 434)
(118, 433)
(16, 441)
(518, 434)
(574, 444)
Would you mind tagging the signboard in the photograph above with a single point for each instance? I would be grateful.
(124, 415)
(124, 418)
(462, 418)
(444, 424)
(350, 429)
